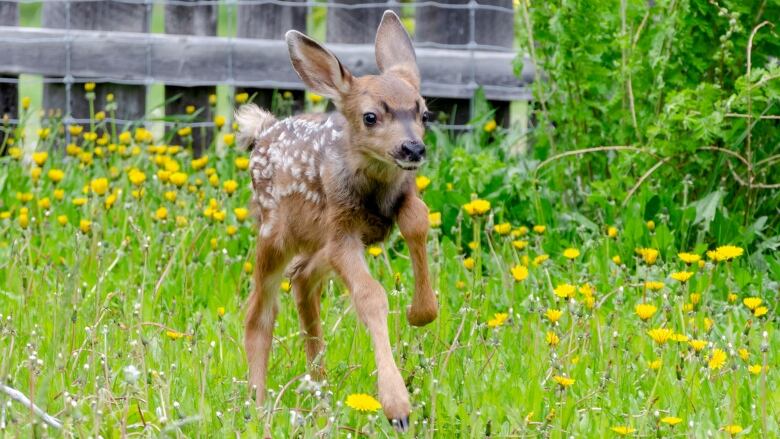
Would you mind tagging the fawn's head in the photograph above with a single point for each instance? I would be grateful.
(385, 112)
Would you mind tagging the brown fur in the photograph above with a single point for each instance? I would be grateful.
(328, 185)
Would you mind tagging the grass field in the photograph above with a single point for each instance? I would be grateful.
(125, 263)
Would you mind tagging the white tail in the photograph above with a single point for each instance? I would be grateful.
(252, 120)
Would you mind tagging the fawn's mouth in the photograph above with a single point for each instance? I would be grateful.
(407, 165)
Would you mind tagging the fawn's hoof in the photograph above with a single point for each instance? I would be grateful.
(400, 425)
(421, 317)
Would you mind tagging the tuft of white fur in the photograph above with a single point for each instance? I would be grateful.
(252, 120)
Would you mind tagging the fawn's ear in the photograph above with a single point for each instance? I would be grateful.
(394, 50)
(317, 66)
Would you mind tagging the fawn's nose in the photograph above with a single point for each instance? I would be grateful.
(413, 150)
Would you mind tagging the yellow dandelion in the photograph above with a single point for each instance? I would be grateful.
(671, 420)
(498, 320)
(362, 402)
(728, 252)
(85, 226)
(717, 359)
(520, 273)
(469, 263)
(697, 345)
(477, 207)
(760, 311)
(434, 219)
(520, 244)
(242, 163)
(681, 276)
(689, 258)
(503, 228)
(624, 430)
(650, 225)
(563, 381)
(752, 302)
(655, 364)
(422, 182)
(490, 126)
(616, 260)
(539, 260)
(55, 175)
(649, 255)
(553, 315)
(645, 310)
(161, 214)
(539, 229)
(732, 429)
(241, 213)
(375, 251)
(221, 311)
(612, 232)
(571, 253)
(565, 291)
(175, 335)
(99, 186)
(552, 338)
(230, 186)
(660, 335)
(654, 285)
(755, 369)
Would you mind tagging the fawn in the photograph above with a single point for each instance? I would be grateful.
(327, 185)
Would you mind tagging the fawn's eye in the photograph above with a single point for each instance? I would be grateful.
(426, 116)
(369, 119)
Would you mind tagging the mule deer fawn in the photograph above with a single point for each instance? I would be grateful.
(327, 185)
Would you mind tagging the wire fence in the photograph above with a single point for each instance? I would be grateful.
(468, 41)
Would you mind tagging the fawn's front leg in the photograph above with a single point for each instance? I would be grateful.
(370, 301)
(413, 222)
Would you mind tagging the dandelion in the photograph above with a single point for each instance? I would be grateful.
(732, 297)
(498, 320)
(612, 232)
(520, 231)
(314, 98)
(230, 186)
(247, 267)
(181, 221)
(539, 260)
(520, 273)
(469, 263)
(221, 311)
(136, 177)
(55, 175)
(434, 219)
(99, 186)
(571, 253)
(563, 381)
(178, 178)
(85, 226)
(477, 207)
(728, 252)
(539, 229)
(645, 311)
(520, 244)
(681, 276)
(374, 251)
(650, 225)
(732, 429)
(40, 157)
(660, 335)
(623, 430)
(552, 338)
(649, 255)
(80, 201)
(23, 220)
(242, 163)
(689, 258)
(231, 230)
(175, 335)
(697, 345)
(490, 126)
(752, 302)
(229, 139)
(422, 182)
(616, 260)
(565, 291)
(503, 228)
(655, 364)
(717, 359)
(44, 203)
(553, 315)
(362, 402)
(755, 369)
(241, 213)
(241, 98)
(89, 87)
(744, 354)
(760, 311)
(26, 102)
(671, 420)
(654, 285)
(161, 214)
(62, 220)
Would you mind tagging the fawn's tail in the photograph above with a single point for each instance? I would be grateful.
(252, 120)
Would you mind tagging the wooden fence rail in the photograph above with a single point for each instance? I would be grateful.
(461, 45)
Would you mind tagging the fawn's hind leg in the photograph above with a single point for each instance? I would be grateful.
(307, 276)
(261, 313)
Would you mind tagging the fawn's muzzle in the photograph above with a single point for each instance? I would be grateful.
(410, 155)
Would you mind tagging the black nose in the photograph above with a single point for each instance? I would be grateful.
(413, 150)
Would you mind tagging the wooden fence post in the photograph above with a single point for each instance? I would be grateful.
(435, 24)
(97, 15)
(198, 20)
(9, 92)
(270, 22)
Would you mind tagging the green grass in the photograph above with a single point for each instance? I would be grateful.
(81, 312)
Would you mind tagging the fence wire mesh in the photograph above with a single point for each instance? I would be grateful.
(229, 33)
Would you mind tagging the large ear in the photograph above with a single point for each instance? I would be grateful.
(317, 66)
(394, 50)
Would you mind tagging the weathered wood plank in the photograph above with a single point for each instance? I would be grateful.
(180, 60)
(96, 15)
(9, 93)
(355, 26)
(268, 21)
(439, 25)
(198, 20)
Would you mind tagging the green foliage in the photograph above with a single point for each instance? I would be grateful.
(669, 78)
